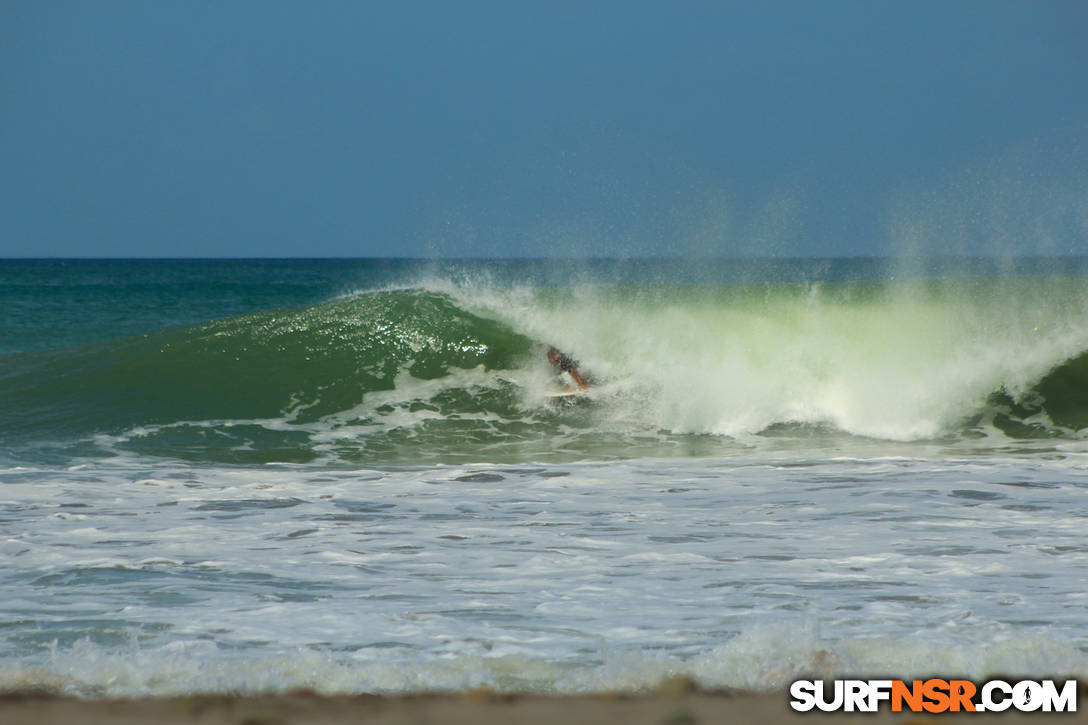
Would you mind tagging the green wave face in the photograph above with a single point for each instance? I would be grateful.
(296, 366)
(418, 376)
(1055, 407)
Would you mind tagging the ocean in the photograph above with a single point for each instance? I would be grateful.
(351, 476)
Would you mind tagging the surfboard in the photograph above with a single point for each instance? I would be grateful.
(565, 393)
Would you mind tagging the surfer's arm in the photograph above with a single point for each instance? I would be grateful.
(578, 379)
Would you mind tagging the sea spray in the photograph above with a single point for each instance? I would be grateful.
(898, 361)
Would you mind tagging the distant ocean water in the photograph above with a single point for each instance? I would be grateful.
(348, 475)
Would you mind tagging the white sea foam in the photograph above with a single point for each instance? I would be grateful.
(761, 659)
(740, 572)
(907, 363)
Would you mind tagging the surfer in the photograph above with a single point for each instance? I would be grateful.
(566, 365)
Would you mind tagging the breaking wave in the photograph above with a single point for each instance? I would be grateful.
(452, 372)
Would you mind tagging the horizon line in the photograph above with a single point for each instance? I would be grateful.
(858, 257)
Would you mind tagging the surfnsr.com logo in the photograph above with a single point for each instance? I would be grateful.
(933, 695)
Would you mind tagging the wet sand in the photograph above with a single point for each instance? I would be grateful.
(679, 706)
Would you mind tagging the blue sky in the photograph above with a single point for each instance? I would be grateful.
(441, 129)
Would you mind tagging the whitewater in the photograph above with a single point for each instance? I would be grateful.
(348, 475)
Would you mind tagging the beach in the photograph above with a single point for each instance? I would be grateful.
(472, 708)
